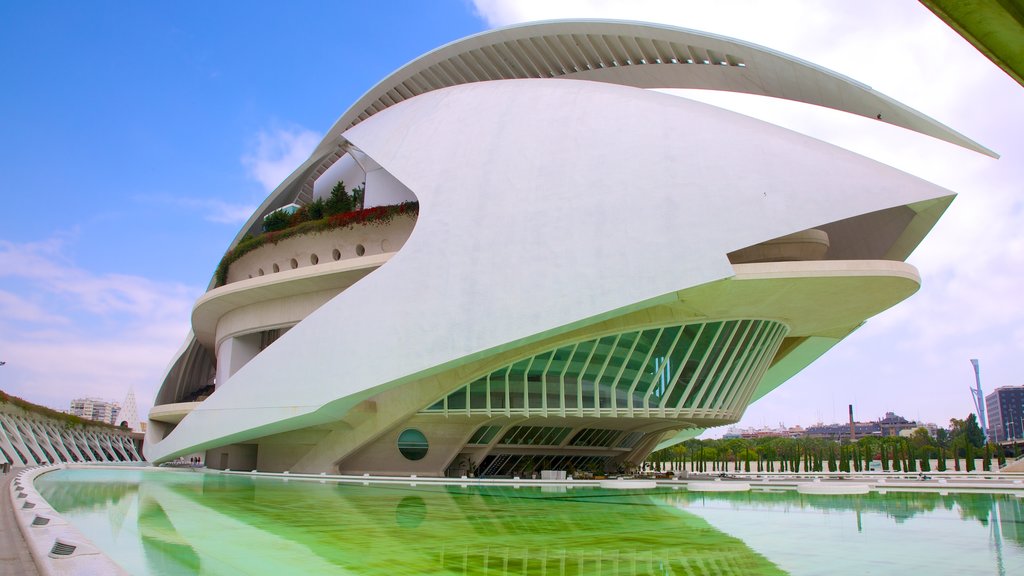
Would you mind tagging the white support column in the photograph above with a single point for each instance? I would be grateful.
(8, 445)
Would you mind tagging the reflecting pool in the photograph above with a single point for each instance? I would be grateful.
(183, 522)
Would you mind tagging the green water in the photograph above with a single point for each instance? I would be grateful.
(160, 522)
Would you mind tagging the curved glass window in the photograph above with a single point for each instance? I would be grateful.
(708, 366)
(412, 444)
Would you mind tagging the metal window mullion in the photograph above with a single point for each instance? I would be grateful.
(600, 374)
(709, 393)
(725, 340)
(561, 379)
(544, 382)
(640, 371)
(618, 375)
(526, 386)
(749, 361)
(743, 364)
(682, 365)
(764, 361)
(508, 397)
(769, 354)
(700, 367)
(661, 370)
(583, 372)
(487, 388)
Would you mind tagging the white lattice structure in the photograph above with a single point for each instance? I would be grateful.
(596, 268)
(31, 439)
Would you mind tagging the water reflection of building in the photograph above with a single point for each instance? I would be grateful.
(198, 523)
(418, 530)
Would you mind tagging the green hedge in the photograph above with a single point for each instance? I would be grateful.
(69, 419)
(301, 225)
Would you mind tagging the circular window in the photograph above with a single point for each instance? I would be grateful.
(360, 249)
(314, 259)
(294, 263)
(336, 254)
(277, 268)
(412, 444)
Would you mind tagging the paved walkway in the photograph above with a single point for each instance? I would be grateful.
(15, 559)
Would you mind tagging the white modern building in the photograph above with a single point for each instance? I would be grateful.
(592, 268)
(95, 409)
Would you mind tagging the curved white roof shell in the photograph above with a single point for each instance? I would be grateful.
(634, 54)
(547, 206)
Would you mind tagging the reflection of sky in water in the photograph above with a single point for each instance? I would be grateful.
(188, 523)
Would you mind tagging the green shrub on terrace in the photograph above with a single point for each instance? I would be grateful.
(300, 225)
(339, 201)
(277, 220)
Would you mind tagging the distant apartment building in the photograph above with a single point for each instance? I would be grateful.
(891, 425)
(96, 409)
(765, 432)
(1005, 409)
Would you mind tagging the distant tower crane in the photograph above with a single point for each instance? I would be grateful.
(979, 399)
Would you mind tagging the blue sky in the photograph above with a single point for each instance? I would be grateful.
(136, 138)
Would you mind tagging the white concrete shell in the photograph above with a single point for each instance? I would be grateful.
(553, 212)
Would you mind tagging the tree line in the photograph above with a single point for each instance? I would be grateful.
(962, 441)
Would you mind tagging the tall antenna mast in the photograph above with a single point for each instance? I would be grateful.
(979, 399)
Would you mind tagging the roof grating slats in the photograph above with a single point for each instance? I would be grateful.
(485, 63)
(537, 53)
(617, 49)
(531, 56)
(573, 51)
(566, 62)
(451, 69)
(586, 47)
(630, 45)
(467, 68)
(608, 56)
(499, 62)
(510, 59)
(525, 65)
(698, 55)
(717, 58)
(440, 77)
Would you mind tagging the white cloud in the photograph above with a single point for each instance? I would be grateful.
(276, 152)
(79, 333)
(212, 209)
(913, 358)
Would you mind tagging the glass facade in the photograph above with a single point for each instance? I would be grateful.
(703, 369)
